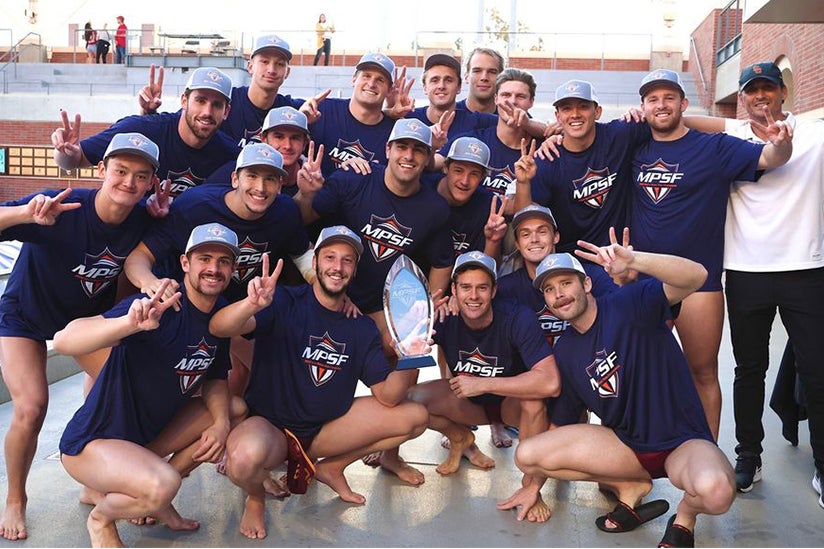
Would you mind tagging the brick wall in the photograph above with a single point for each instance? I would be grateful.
(802, 45)
(705, 37)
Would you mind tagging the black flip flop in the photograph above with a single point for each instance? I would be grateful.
(677, 536)
(627, 519)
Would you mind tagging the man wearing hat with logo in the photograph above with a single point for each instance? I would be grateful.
(75, 243)
(588, 185)
(759, 260)
(286, 130)
(682, 183)
(356, 127)
(536, 236)
(502, 369)
(268, 66)
(191, 147)
(619, 359)
(266, 222)
(308, 360)
(143, 405)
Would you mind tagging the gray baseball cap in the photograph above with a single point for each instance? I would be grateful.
(576, 89)
(272, 41)
(260, 154)
(477, 259)
(377, 61)
(445, 60)
(410, 128)
(285, 116)
(469, 149)
(661, 76)
(531, 212)
(213, 233)
(556, 263)
(339, 233)
(134, 143)
(210, 78)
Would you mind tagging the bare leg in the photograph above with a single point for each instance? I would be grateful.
(699, 328)
(23, 364)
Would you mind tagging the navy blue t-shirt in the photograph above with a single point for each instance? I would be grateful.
(589, 191)
(67, 270)
(389, 225)
(465, 121)
(467, 221)
(187, 167)
(630, 371)
(511, 345)
(461, 105)
(279, 232)
(344, 137)
(308, 361)
(148, 377)
(680, 199)
(518, 286)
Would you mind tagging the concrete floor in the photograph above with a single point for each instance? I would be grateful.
(458, 511)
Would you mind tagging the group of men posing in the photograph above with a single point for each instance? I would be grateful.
(256, 177)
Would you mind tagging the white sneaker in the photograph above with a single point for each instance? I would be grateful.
(817, 487)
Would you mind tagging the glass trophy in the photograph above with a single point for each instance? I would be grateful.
(409, 313)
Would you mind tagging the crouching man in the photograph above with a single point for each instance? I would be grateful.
(619, 360)
(308, 359)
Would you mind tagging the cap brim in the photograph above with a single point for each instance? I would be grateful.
(517, 220)
(235, 250)
(775, 81)
(373, 65)
(442, 60)
(470, 160)
(341, 238)
(280, 171)
(538, 282)
(649, 85)
(283, 51)
(125, 150)
(293, 126)
(473, 263)
(409, 137)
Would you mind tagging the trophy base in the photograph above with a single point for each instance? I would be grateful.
(412, 362)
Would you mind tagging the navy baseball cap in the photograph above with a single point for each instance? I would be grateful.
(377, 61)
(469, 149)
(766, 69)
(210, 78)
(134, 143)
(410, 128)
(661, 76)
(260, 154)
(213, 233)
(576, 89)
(272, 41)
(285, 116)
(445, 60)
(477, 259)
(339, 233)
(531, 212)
(556, 263)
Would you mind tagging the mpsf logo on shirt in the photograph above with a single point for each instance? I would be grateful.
(459, 243)
(552, 326)
(98, 271)
(194, 365)
(658, 179)
(345, 150)
(499, 179)
(592, 189)
(182, 181)
(249, 260)
(386, 236)
(324, 356)
(477, 364)
(603, 373)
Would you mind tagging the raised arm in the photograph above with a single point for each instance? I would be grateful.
(239, 317)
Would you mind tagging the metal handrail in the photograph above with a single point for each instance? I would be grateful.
(14, 53)
(698, 62)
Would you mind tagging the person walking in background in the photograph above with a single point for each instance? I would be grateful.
(90, 36)
(324, 39)
(104, 42)
(120, 40)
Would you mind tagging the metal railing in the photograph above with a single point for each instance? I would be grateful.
(15, 52)
(728, 24)
(698, 63)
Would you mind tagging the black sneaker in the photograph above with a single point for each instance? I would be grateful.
(747, 471)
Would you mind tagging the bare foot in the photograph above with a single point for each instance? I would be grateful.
(253, 523)
(456, 450)
(143, 521)
(173, 521)
(276, 487)
(13, 523)
(372, 460)
(539, 512)
(103, 533)
(403, 470)
(220, 466)
(334, 479)
(478, 458)
(500, 438)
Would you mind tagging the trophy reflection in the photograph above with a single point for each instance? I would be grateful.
(409, 313)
